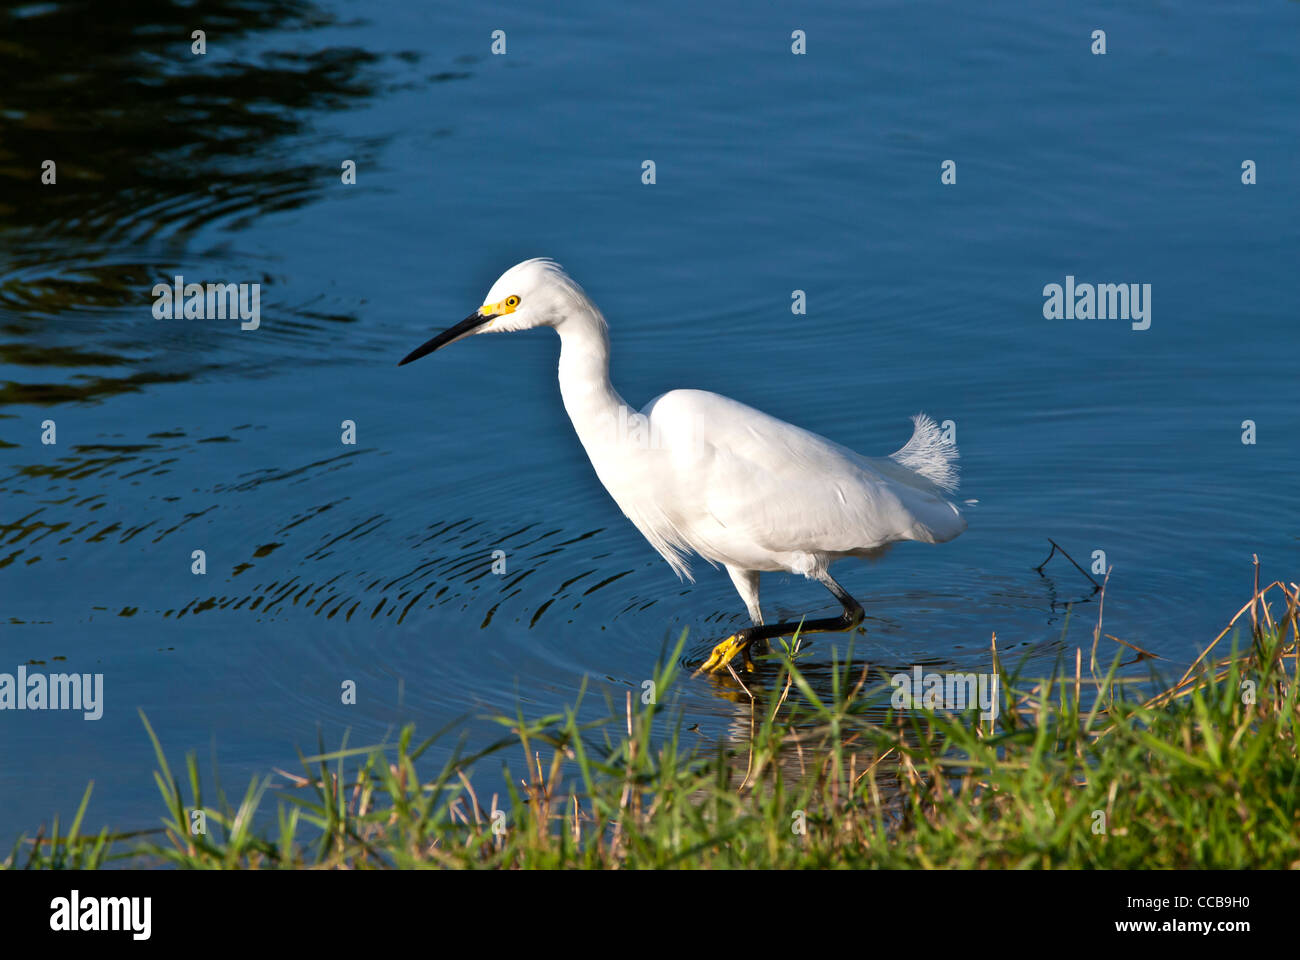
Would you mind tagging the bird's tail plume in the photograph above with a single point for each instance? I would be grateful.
(929, 454)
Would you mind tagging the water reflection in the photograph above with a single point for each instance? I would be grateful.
(154, 148)
(153, 142)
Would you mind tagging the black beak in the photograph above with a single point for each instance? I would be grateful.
(462, 329)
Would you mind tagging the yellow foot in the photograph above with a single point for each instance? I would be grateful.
(723, 653)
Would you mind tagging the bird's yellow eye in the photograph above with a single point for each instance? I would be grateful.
(512, 301)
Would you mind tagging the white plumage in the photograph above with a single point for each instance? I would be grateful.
(700, 473)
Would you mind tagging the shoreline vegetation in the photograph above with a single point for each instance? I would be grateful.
(1085, 768)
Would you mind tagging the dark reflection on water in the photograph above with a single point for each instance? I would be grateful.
(318, 561)
(162, 156)
(179, 140)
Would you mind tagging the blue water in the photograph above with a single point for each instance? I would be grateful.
(371, 563)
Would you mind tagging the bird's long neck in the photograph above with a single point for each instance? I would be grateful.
(589, 398)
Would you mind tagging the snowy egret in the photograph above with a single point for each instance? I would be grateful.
(695, 471)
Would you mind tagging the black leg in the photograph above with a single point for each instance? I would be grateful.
(742, 640)
(850, 618)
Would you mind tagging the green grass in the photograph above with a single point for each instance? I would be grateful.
(1084, 768)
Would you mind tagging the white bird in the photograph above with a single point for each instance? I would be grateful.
(695, 471)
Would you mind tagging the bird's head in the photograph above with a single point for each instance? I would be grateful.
(535, 293)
